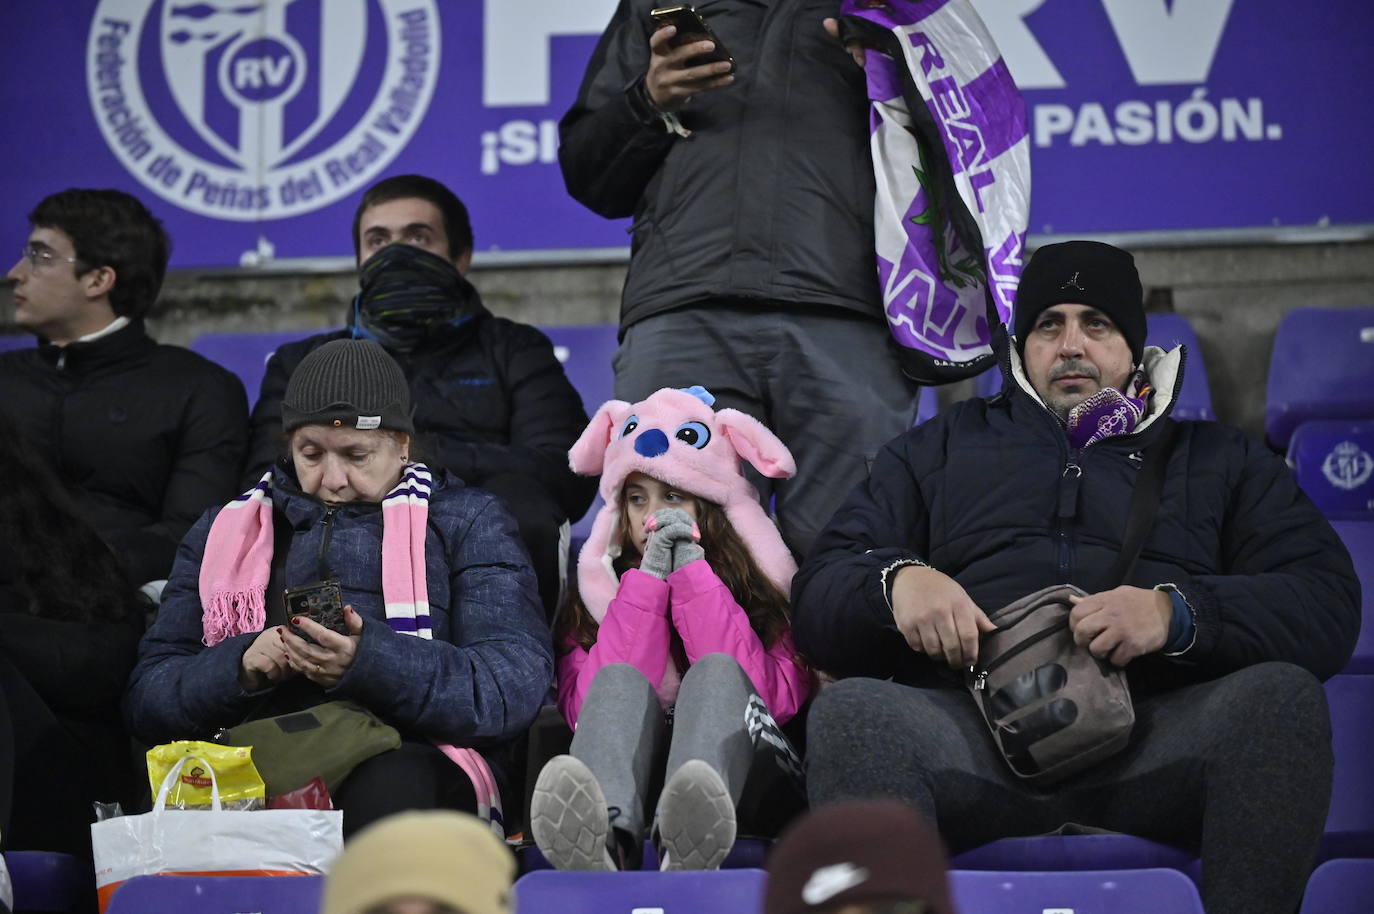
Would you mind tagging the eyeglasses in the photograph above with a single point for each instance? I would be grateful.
(41, 257)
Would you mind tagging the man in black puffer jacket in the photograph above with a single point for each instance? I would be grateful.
(492, 404)
(752, 270)
(1242, 599)
(145, 436)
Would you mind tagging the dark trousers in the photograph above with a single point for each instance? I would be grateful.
(824, 381)
(1238, 769)
(415, 776)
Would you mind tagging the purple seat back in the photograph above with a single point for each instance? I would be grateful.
(641, 892)
(586, 352)
(246, 354)
(1350, 823)
(1167, 331)
(45, 881)
(1067, 853)
(17, 341)
(1334, 460)
(1322, 367)
(1150, 891)
(218, 895)
(1358, 537)
(1340, 887)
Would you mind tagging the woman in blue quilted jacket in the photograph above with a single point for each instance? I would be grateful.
(441, 634)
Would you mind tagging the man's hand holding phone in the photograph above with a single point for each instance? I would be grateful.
(678, 69)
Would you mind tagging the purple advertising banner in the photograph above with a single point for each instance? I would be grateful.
(251, 126)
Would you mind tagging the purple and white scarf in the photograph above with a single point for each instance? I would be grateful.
(1109, 412)
(952, 161)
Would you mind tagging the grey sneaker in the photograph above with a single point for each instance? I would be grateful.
(696, 819)
(568, 816)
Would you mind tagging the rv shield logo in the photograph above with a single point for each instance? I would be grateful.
(260, 109)
(1348, 466)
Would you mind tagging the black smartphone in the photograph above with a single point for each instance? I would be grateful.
(691, 27)
(321, 602)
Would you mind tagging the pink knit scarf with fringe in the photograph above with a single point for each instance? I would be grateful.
(238, 560)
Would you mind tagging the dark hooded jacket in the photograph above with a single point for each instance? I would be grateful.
(145, 436)
(490, 400)
(770, 198)
(986, 492)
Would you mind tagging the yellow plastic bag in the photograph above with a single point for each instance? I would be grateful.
(240, 785)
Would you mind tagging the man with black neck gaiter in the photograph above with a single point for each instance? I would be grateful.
(492, 404)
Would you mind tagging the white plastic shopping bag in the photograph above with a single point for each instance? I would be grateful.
(217, 842)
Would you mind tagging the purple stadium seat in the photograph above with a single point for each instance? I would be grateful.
(1334, 460)
(705, 892)
(586, 352)
(218, 895)
(1322, 367)
(1340, 887)
(1350, 823)
(1358, 537)
(1167, 331)
(246, 354)
(1148, 891)
(986, 384)
(45, 881)
(1070, 853)
(748, 853)
(18, 341)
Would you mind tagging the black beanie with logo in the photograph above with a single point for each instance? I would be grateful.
(348, 383)
(1083, 273)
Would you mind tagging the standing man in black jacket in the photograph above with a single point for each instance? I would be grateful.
(145, 436)
(752, 269)
(492, 404)
(1241, 600)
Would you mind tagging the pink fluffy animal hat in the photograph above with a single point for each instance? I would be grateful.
(676, 437)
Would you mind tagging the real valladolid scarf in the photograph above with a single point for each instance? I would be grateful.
(951, 159)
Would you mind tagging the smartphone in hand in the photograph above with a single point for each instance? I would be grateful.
(691, 28)
(321, 602)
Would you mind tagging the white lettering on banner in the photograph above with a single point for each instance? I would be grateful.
(519, 143)
(231, 149)
(1135, 123)
(1030, 66)
(516, 49)
(1163, 44)
(1166, 45)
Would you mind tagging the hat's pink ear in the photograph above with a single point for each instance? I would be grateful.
(755, 443)
(587, 456)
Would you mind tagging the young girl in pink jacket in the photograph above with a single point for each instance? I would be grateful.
(677, 660)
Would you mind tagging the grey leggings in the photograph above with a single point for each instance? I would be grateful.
(1238, 768)
(622, 733)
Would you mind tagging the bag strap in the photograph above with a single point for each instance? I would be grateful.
(1144, 505)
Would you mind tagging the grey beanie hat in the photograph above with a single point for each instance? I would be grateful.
(352, 383)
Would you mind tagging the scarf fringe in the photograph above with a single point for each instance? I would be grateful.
(231, 612)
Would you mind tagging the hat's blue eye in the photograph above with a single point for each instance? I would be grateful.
(694, 433)
(631, 424)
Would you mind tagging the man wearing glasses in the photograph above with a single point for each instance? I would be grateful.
(145, 436)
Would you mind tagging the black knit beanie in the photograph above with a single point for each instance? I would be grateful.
(348, 383)
(1083, 273)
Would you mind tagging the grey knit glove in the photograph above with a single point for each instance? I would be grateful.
(669, 530)
(686, 551)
